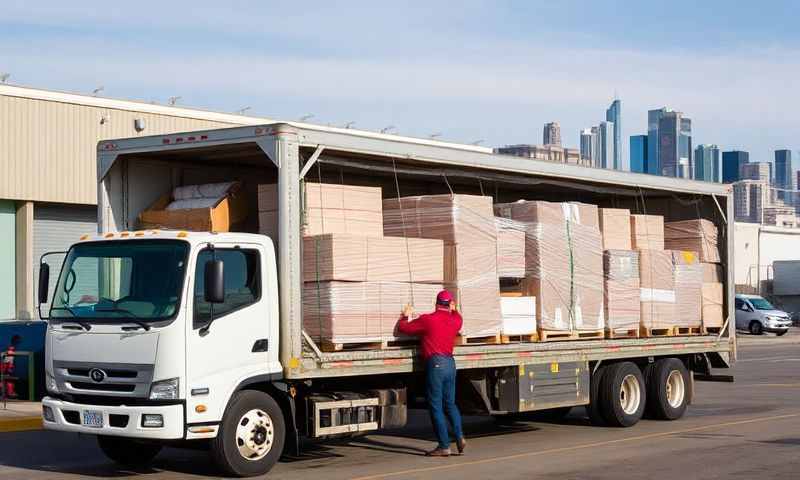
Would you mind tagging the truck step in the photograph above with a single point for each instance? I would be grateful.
(479, 339)
(629, 333)
(526, 338)
(556, 335)
(657, 332)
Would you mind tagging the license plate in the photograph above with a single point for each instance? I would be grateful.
(92, 418)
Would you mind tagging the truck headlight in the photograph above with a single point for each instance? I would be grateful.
(50, 383)
(165, 390)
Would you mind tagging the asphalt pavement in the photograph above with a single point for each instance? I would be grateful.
(747, 429)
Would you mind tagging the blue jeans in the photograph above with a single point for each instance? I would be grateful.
(441, 390)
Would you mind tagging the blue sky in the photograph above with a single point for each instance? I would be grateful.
(472, 70)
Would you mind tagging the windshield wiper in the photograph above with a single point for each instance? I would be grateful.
(133, 318)
(86, 326)
(139, 323)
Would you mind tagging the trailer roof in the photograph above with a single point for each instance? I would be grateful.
(340, 140)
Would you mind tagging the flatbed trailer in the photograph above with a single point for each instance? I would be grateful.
(305, 391)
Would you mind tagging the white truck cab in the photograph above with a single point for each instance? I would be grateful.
(152, 332)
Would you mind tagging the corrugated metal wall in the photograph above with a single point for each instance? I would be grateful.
(48, 148)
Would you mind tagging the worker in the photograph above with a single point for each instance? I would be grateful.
(8, 389)
(437, 332)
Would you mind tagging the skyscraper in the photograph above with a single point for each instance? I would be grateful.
(653, 119)
(732, 164)
(759, 171)
(638, 151)
(588, 143)
(607, 152)
(675, 145)
(597, 159)
(552, 134)
(707, 163)
(614, 114)
(783, 174)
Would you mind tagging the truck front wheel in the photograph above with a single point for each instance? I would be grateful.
(251, 437)
(128, 452)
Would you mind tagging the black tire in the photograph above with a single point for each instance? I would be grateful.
(781, 333)
(225, 447)
(594, 409)
(612, 396)
(128, 452)
(660, 390)
(756, 328)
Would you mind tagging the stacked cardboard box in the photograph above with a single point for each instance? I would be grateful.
(466, 225)
(688, 288)
(697, 235)
(329, 208)
(712, 273)
(615, 225)
(621, 294)
(713, 314)
(657, 282)
(647, 232)
(519, 315)
(563, 262)
(510, 248)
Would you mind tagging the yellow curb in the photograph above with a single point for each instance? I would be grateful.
(21, 424)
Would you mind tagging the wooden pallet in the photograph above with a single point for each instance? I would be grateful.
(346, 345)
(479, 339)
(711, 330)
(657, 332)
(688, 331)
(556, 335)
(527, 338)
(629, 333)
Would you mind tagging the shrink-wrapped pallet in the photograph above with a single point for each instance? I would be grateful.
(657, 289)
(328, 208)
(712, 273)
(563, 262)
(519, 315)
(621, 294)
(466, 224)
(697, 235)
(360, 312)
(688, 288)
(713, 314)
(647, 232)
(615, 226)
(510, 248)
(347, 257)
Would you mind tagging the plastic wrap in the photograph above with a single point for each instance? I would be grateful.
(688, 288)
(712, 273)
(647, 232)
(359, 258)
(466, 225)
(621, 295)
(713, 314)
(510, 248)
(354, 312)
(519, 315)
(615, 225)
(563, 263)
(657, 289)
(698, 235)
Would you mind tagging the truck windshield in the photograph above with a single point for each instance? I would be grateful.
(137, 280)
(761, 304)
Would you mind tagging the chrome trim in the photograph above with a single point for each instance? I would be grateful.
(138, 377)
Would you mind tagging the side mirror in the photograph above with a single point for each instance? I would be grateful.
(214, 281)
(44, 282)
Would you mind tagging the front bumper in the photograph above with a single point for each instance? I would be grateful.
(67, 418)
(777, 327)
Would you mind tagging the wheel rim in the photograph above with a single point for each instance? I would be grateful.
(630, 394)
(676, 389)
(254, 435)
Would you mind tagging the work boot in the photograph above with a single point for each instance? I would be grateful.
(438, 452)
(461, 444)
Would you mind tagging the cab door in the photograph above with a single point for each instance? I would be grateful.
(229, 342)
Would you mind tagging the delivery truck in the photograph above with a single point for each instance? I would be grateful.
(185, 337)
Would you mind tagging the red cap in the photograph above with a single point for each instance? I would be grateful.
(444, 297)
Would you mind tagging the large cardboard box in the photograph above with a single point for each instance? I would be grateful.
(688, 288)
(712, 273)
(510, 248)
(647, 232)
(347, 257)
(697, 235)
(622, 294)
(223, 215)
(615, 225)
(713, 313)
(479, 304)
(657, 289)
(519, 315)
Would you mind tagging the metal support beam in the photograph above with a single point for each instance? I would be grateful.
(311, 161)
(719, 207)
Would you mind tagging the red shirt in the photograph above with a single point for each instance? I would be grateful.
(437, 331)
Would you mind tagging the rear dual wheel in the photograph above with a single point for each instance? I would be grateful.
(618, 395)
(669, 389)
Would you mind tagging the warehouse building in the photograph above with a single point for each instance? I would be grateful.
(48, 193)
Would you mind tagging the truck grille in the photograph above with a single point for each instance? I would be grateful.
(104, 379)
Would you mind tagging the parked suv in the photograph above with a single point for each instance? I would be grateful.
(756, 315)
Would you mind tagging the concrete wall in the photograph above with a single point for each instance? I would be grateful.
(757, 247)
(7, 260)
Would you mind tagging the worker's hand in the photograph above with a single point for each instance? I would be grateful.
(408, 310)
(453, 307)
